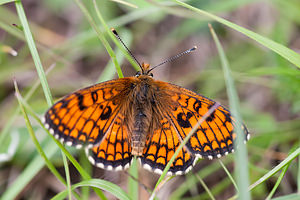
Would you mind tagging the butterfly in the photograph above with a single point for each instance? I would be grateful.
(143, 117)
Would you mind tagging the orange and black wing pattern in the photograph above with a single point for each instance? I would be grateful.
(214, 137)
(114, 151)
(85, 116)
(161, 146)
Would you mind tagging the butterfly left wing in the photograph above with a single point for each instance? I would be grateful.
(85, 116)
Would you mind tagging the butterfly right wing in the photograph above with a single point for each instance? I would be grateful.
(180, 112)
(85, 116)
(215, 136)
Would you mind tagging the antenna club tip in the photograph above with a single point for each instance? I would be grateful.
(194, 48)
(113, 30)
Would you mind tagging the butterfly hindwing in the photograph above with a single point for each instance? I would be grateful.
(161, 146)
(114, 151)
(83, 117)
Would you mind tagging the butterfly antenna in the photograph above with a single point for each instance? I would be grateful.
(175, 57)
(119, 38)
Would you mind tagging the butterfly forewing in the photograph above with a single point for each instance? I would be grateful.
(84, 117)
(214, 137)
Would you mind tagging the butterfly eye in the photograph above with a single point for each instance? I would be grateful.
(138, 73)
(151, 74)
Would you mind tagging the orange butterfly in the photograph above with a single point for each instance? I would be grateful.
(143, 117)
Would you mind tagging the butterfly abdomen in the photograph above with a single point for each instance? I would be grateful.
(141, 126)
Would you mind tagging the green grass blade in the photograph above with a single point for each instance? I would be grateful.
(133, 184)
(28, 173)
(109, 71)
(5, 1)
(85, 163)
(205, 187)
(118, 68)
(34, 52)
(82, 172)
(298, 173)
(43, 80)
(114, 189)
(289, 197)
(79, 168)
(228, 174)
(285, 52)
(284, 170)
(241, 158)
(35, 141)
(126, 3)
(38, 64)
(99, 33)
(192, 180)
(285, 162)
(112, 36)
(67, 172)
(32, 135)
(4, 132)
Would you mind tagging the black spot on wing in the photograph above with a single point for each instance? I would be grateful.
(94, 96)
(80, 101)
(183, 120)
(197, 105)
(106, 113)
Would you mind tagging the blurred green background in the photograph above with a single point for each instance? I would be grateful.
(268, 85)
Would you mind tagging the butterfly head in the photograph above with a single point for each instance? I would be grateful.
(145, 70)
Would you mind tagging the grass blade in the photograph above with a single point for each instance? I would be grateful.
(35, 141)
(112, 36)
(289, 197)
(34, 52)
(67, 172)
(241, 159)
(4, 132)
(228, 174)
(284, 170)
(285, 52)
(109, 71)
(98, 183)
(100, 35)
(28, 173)
(298, 173)
(5, 1)
(79, 168)
(133, 184)
(285, 162)
(205, 187)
